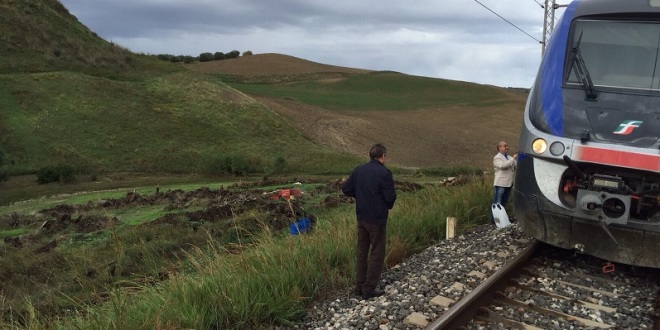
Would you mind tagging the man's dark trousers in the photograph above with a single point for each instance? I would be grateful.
(369, 266)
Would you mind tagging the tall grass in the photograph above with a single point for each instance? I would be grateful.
(272, 282)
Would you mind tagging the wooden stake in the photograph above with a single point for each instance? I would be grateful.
(451, 226)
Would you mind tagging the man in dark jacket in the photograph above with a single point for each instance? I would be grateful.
(372, 186)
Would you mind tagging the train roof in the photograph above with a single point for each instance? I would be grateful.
(640, 8)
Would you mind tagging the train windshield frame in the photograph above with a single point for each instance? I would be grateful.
(614, 54)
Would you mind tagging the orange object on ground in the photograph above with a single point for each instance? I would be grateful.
(285, 193)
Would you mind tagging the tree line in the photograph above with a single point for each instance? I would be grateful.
(203, 57)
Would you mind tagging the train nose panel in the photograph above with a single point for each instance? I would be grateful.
(603, 206)
(637, 129)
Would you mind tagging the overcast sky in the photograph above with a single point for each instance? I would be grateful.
(451, 39)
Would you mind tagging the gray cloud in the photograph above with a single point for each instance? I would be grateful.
(453, 39)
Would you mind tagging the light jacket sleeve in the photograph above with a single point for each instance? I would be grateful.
(499, 163)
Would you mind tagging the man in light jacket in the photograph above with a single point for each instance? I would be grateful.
(505, 168)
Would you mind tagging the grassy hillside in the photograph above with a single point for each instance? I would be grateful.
(382, 91)
(69, 97)
(177, 123)
(42, 36)
(425, 122)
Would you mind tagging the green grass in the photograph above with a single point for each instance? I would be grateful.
(173, 123)
(13, 232)
(138, 215)
(381, 91)
(42, 36)
(135, 253)
(272, 282)
(70, 97)
(67, 97)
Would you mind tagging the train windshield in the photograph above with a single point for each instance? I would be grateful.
(617, 54)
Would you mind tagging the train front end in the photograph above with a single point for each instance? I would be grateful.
(588, 173)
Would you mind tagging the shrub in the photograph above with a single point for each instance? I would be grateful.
(165, 57)
(66, 173)
(60, 173)
(4, 176)
(280, 165)
(233, 54)
(240, 166)
(219, 56)
(235, 165)
(47, 175)
(205, 57)
(247, 53)
(218, 166)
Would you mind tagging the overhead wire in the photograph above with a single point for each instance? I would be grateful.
(506, 20)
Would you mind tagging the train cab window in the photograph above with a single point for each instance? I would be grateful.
(615, 54)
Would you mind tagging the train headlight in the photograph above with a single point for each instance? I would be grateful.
(557, 148)
(539, 146)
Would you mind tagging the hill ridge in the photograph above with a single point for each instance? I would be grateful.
(126, 111)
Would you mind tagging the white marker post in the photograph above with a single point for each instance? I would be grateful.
(451, 227)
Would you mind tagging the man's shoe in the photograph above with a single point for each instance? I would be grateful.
(372, 294)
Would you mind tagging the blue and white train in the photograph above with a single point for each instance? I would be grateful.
(588, 173)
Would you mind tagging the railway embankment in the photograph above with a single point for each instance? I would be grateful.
(425, 286)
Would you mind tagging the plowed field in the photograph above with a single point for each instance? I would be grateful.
(431, 137)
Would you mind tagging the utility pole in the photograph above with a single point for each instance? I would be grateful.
(549, 21)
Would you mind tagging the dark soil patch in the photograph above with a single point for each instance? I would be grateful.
(54, 251)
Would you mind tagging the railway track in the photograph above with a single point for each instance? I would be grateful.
(543, 288)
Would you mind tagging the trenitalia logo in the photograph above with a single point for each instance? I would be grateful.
(627, 127)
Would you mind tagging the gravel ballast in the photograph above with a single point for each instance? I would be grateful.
(425, 285)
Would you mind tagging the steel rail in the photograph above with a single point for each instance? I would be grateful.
(466, 308)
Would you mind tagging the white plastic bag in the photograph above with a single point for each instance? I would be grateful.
(499, 216)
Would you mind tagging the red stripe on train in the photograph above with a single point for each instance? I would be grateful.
(617, 158)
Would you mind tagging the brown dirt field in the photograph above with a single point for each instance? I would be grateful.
(433, 137)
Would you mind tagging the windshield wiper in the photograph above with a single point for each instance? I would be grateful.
(581, 72)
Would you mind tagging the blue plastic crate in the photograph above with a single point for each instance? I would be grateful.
(300, 227)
